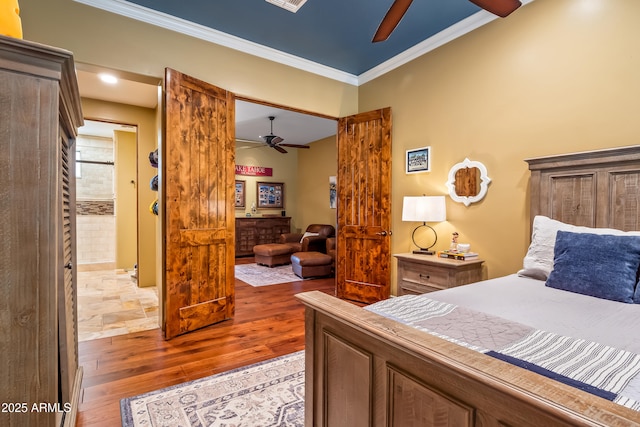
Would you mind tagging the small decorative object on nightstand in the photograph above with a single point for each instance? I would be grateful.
(418, 274)
(454, 241)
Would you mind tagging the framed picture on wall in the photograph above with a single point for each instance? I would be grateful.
(418, 160)
(270, 195)
(240, 194)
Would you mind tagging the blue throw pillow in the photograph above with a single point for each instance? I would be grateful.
(599, 265)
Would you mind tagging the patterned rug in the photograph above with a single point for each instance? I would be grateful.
(269, 393)
(259, 275)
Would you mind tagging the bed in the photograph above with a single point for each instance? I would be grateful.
(463, 356)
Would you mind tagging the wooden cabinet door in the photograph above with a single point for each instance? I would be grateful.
(364, 206)
(198, 168)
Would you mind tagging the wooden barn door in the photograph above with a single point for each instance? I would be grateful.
(364, 206)
(198, 164)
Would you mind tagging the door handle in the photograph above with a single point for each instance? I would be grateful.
(384, 233)
(69, 266)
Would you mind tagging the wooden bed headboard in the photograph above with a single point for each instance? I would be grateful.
(592, 188)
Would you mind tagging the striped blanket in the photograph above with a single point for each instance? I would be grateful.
(598, 369)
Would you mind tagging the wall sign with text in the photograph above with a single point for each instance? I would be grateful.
(253, 171)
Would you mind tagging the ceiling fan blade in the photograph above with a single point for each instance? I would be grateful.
(294, 146)
(391, 20)
(502, 8)
(280, 149)
(261, 145)
(276, 140)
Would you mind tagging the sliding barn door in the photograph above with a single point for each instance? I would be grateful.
(364, 206)
(198, 168)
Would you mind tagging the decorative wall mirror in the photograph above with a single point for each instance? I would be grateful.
(468, 182)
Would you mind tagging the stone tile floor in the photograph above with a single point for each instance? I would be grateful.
(110, 303)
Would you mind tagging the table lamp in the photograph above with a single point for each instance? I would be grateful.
(424, 209)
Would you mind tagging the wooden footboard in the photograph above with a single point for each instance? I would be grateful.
(366, 370)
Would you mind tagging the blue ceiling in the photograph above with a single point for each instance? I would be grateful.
(333, 33)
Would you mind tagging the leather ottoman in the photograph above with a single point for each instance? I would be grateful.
(311, 264)
(272, 254)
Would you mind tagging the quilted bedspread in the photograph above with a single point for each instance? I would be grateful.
(590, 366)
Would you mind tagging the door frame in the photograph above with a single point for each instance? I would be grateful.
(124, 123)
(279, 106)
(284, 107)
(337, 120)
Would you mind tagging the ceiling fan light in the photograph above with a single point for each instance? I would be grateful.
(501, 8)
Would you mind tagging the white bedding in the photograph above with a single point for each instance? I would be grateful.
(530, 303)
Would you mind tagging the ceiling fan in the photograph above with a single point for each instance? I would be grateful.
(502, 8)
(275, 141)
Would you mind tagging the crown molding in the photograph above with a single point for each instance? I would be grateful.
(163, 20)
(179, 25)
(459, 29)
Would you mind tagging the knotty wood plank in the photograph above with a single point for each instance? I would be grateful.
(268, 322)
(364, 208)
(199, 169)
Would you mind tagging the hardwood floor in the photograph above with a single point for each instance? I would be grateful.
(268, 322)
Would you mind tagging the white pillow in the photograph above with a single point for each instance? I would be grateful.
(308, 234)
(539, 257)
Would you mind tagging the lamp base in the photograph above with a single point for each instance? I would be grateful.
(423, 252)
(424, 249)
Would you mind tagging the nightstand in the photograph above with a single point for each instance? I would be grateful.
(418, 274)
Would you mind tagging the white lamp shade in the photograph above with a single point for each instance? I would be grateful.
(424, 209)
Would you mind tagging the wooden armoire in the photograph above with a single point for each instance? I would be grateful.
(39, 115)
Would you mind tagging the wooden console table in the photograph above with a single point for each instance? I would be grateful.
(251, 231)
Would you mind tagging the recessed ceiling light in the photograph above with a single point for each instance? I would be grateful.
(108, 78)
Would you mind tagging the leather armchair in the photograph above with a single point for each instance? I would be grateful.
(313, 239)
(331, 250)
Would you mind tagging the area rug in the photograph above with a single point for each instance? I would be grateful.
(259, 275)
(269, 393)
